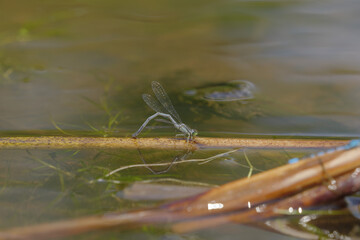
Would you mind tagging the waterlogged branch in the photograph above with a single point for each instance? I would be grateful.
(162, 143)
(346, 184)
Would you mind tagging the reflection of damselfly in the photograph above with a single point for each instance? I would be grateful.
(181, 157)
(164, 108)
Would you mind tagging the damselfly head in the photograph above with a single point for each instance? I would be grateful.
(194, 132)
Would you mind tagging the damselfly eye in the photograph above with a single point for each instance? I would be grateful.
(194, 132)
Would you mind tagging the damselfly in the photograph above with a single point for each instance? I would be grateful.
(164, 108)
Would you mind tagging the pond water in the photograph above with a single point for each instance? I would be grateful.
(81, 67)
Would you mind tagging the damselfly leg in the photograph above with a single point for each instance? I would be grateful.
(151, 118)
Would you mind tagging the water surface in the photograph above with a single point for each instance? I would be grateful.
(79, 66)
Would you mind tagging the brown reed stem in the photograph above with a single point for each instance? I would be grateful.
(162, 143)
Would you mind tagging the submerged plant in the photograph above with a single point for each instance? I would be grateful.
(111, 116)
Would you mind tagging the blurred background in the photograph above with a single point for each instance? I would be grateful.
(76, 63)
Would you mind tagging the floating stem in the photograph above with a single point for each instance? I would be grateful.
(162, 143)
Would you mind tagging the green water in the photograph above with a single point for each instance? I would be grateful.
(81, 66)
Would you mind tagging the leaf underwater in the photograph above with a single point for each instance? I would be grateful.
(156, 192)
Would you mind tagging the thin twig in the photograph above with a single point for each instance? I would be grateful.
(201, 160)
(251, 168)
(162, 143)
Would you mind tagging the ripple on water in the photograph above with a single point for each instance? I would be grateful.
(236, 90)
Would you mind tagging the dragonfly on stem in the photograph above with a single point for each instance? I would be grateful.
(164, 108)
